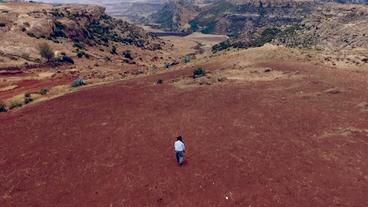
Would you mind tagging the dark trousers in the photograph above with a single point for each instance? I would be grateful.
(179, 157)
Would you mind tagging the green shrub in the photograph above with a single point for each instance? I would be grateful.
(44, 91)
(128, 54)
(67, 59)
(199, 72)
(221, 46)
(113, 50)
(59, 25)
(193, 25)
(81, 53)
(78, 45)
(3, 107)
(78, 82)
(186, 59)
(27, 98)
(45, 51)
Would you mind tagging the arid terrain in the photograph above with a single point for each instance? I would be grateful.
(273, 125)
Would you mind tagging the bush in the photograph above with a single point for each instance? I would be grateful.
(113, 50)
(221, 46)
(27, 98)
(186, 59)
(3, 107)
(78, 82)
(45, 51)
(199, 72)
(15, 104)
(44, 91)
(267, 36)
(67, 59)
(81, 53)
(159, 81)
(128, 54)
(78, 45)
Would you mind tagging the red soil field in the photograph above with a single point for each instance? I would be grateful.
(268, 143)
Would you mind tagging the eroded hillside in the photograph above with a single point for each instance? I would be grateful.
(81, 42)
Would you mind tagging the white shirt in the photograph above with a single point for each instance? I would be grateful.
(179, 146)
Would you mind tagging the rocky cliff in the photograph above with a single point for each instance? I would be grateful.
(74, 29)
(243, 16)
(175, 15)
(331, 28)
(78, 23)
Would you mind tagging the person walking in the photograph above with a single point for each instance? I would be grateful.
(179, 150)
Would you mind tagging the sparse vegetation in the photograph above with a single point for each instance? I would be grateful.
(267, 36)
(78, 82)
(221, 46)
(46, 51)
(27, 98)
(15, 104)
(199, 72)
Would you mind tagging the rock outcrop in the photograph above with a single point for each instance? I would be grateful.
(78, 23)
(331, 27)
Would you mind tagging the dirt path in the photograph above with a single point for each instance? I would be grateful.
(286, 142)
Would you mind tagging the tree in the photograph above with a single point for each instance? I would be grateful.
(46, 51)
